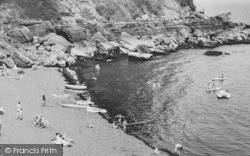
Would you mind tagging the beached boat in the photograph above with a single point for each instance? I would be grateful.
(219, 78)
(74, 106)
(75, 87)
(60, 95)
(95, 110)
(76, 91)
(85, 102)
(223, 94)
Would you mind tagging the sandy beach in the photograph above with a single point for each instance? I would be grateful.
(102, 140)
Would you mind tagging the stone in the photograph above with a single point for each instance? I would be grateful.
(98, 37)
(27, 34)
(53, 39)
(51, 61)
(213, 53)
(71, 60)
(83, 52)
(140, 56)
(72, 33)
(8, 62)
(21, 60)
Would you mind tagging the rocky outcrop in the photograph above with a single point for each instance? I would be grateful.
(53, 39)
(21, 60)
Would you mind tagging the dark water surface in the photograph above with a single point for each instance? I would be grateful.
(171, 90)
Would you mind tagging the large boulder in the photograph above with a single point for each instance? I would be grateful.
(83, 52)
(214, 53)
(27, 34)
(71, 61)
(72, 33)
(99, 38)
(53, 39)
(21, 60)
(51, 61)
(16, 35)
(8, 62)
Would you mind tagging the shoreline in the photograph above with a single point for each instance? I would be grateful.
(75, 123)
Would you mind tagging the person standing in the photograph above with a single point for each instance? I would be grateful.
(0, 127)
(124, 125)
(19, 111)
(44, 100)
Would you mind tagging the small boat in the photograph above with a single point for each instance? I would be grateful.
(213, 89)
(95, 110)
(73, 106)
(60, 95)
(219, 78)
(223, 94)
(76, 91)
(85, 102)
(75, 87)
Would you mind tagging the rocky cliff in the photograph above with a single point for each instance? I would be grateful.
(118, 10)
(50, 33)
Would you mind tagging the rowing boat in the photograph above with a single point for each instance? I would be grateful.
(75, 87)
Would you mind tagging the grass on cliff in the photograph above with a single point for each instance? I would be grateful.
(35, 9)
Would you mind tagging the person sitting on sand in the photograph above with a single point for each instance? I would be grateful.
(60, 140)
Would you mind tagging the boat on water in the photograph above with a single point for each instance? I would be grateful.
(223, 94)
(76, 87)
(213, 89)
(219, 78)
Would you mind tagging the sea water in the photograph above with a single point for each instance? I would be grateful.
(170, 90)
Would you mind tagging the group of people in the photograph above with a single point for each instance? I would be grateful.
(120, 120)
(62, 140)
(40, 121)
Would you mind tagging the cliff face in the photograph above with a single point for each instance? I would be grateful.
(117, 10)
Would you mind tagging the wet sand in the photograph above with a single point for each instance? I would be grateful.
(102, 140)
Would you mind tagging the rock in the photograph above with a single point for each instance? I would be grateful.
(51, 61)
(128, 46)
(62, 63)
(140, 56)
(124, 51)
(98, 37)
(17, 22)
(27, 34)
(57, 48)
(71, 61)
(72, 33)
(16, 35)
(2, 55)
(8, 62)
(33, 57)
(83, 52)
(21, 60)
(213, 53)
(53, 39)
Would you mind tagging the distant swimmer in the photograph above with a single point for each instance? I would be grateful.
(208, 88)
(97, 67)
(177, 150)
(0, 127)
(124, 125)
(222, 76)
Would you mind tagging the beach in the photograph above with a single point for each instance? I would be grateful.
(102, 140)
